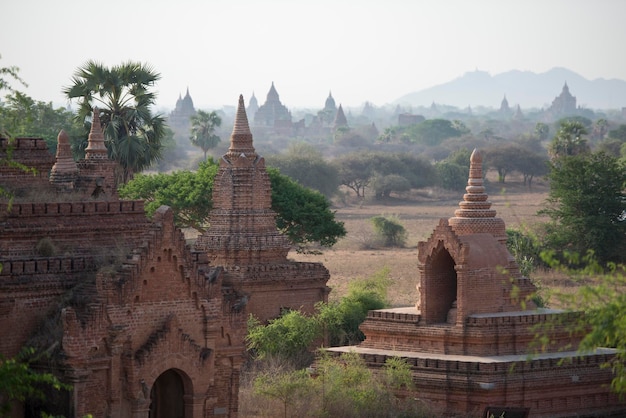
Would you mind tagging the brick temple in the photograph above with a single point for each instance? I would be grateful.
(140, 323)
(470, 338)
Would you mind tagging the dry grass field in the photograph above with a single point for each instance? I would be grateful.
(354, 257)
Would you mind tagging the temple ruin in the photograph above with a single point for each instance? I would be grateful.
(140, 323)
(470, 338)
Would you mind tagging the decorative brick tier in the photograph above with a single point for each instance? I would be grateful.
(554, 385)
(511, 333)
(243, 240)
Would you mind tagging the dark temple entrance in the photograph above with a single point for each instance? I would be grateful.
(166, 396)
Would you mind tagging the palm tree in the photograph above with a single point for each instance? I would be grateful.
(569, 140)
(203, 126)
(122, 93)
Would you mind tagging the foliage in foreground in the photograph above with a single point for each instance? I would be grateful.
(19, 382)
(292, 335)
(587, 206)
(600, 296)
(338, 386)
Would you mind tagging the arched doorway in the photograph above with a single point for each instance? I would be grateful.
(442, 288)
(166, 396)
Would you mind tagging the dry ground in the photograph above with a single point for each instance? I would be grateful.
(353, 257)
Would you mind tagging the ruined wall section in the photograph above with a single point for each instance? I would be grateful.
(74, 227)
(159, 311)
(34, 154)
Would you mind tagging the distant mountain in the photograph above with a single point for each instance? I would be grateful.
(528, 89)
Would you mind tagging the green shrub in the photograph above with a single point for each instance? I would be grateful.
(389, 230)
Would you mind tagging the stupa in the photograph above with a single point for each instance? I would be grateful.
(470, 338)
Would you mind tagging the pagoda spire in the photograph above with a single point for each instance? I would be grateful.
(475, 214)
(96, 150)
(64, 170)
(241, 138)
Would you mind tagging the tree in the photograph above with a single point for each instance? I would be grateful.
(542, 130)
(451, 176)
(530, 164)
(19, 382)
(355, 171)
(569, 139)
(384, 185)
(23, 116)
(433, 131)
(122, 93)
(287, 387)
(6, 152)
(303, 214)
(10, 72)
(599, 302)
(307, 166)
(289, 337)
(587, 206)
(203, 126)
(502, 159)
(188, 193)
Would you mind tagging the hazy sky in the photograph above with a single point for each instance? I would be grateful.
(360, 50)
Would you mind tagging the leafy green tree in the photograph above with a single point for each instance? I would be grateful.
(597, 293)
(340, 320)
(355, 171)
(303, 215)
(290, 336)
(23, 116)
(531, 165)
(307, 166)
(203, 126)
(384, 185)
(433, 131)
(587, 206)
(6, 153)
(19, 381)
(569, 140)
(123, 95)
(502, 159)
(188, 193)
(451, 176)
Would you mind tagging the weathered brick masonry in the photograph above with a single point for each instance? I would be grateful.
(137, 321)
(470, 336)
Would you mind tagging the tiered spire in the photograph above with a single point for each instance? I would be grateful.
(243, 224)
(96, 150)
(241, 138)
(475, 214)
(64, 169)
(340, 118)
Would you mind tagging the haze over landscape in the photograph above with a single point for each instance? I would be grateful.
(360, 50)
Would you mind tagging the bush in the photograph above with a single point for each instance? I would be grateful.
(389, 230)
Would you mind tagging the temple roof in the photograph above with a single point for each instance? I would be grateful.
(96, 148)
(475, 214)
(65, 163)
(340, 118)
(241, 138)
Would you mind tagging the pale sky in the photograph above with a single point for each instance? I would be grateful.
(361, 50)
